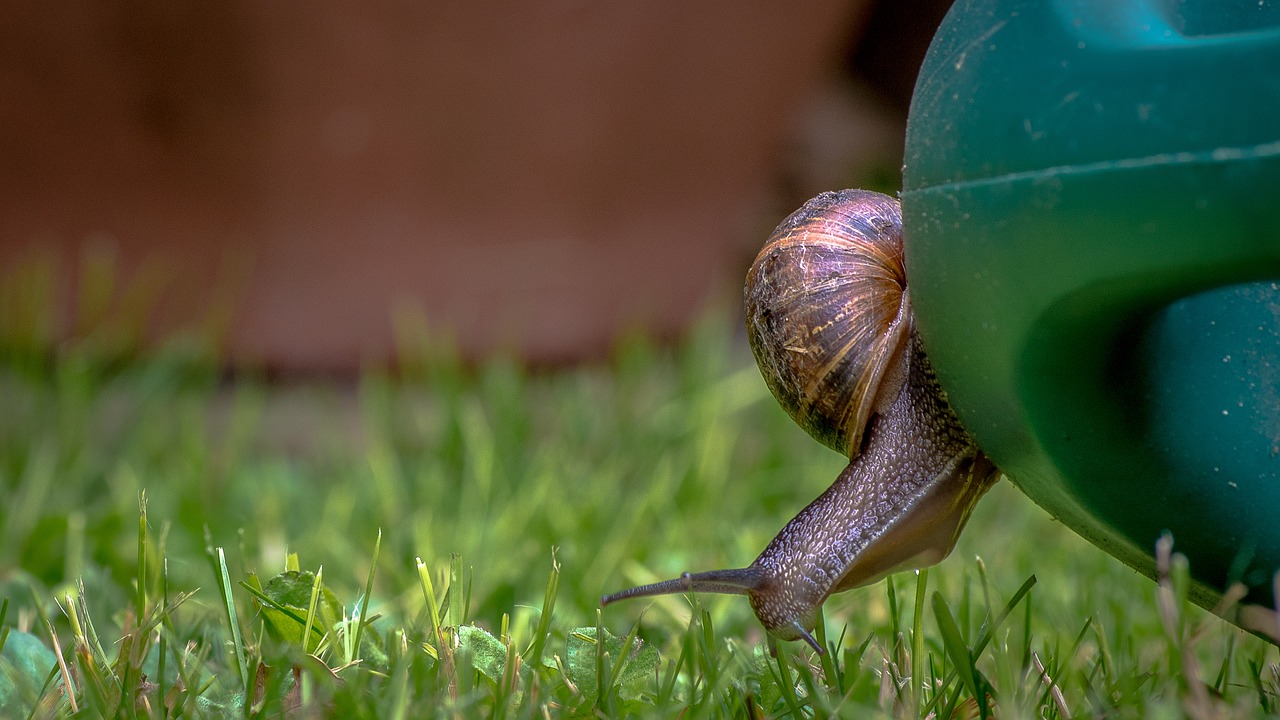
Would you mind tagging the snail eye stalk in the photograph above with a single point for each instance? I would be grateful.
(738, 581)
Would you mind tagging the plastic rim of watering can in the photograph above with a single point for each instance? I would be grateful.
(1090, 214)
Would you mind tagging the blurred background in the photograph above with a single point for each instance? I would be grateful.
(302, 185)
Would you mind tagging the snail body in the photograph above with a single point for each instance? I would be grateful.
(830, 324)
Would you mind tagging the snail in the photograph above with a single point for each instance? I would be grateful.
(830, 324)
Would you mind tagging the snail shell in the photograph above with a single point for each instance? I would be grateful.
(828, 315)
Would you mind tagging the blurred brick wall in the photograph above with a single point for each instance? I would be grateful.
(533, 177)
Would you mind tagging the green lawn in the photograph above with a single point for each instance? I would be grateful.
(526, 495)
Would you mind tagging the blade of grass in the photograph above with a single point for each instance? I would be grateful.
(467, 576)
(4, 629)
(88, 633)
(827, 660)
(894, 620)
(712, 670)
(443, 648)
(100, 688)
(233, 623)
(164, 636)
(140, 598)
(624, 657)
(543, 630)
(917, 643)
(987, 631)
(953, 644)
(62, 667)
(1053, 688)
(316, 584)
(1224, 671)
(364, 601)
(787, 685)
(1004, 667)
(454, 593)
(429, 594)
(601, 662)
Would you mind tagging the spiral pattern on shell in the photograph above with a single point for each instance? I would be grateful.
(828, 314)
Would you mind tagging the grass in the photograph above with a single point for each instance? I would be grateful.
(434, 544)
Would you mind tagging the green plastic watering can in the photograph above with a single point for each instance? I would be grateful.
(1091, 213)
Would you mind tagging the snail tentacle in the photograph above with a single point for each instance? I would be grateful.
(736, 581)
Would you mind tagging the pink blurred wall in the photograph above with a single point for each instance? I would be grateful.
(534, 177)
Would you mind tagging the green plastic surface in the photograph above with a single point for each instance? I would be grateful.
(1091, 210)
